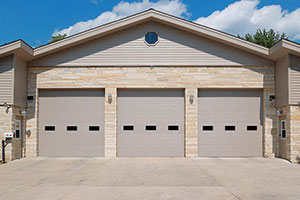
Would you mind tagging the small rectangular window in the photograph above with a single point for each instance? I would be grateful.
(71, 128)
(30, 98)
(283, 129)
(283, 134)
(94, 128)
(207, 128)
(17, 134)
(150, 128)
(229, 128)
(128, 128)
(49, 128)
(251, 128)
(18, 129)
(173, 128)
(283, 124)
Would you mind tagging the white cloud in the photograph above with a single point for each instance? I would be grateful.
(244, 17)
(240, 17)
(38, 42)
(123, 9)
(94, 2)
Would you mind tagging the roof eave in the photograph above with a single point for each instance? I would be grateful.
(284, 47)
(92, 34)
(18, 47)
(25, 51)
(214, 34)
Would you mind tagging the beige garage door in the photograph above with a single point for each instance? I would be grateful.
(71, 123)
(150, 123)
(230, 123)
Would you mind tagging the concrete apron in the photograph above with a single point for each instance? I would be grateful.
(150, 178)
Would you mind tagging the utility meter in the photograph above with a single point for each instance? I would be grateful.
(8, 135)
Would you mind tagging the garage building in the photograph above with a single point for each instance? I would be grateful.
(151, 85)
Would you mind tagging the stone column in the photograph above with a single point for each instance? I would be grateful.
(110, 123)
(270, 121)
(6, 126)
(31, 136)
(294, 134)
(191, 122)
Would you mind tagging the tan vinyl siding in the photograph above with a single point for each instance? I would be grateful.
(6, 80)
(282, 91)
(294, 79)
(20, 82)
(175, 47)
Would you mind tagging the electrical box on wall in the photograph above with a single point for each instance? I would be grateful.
(30, 98)
(8, 135)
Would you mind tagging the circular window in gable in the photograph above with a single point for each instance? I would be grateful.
(151, 38)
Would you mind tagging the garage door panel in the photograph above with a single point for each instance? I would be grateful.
(160, 108)
(149, 109)
(228, 151)
(223, 144)
(230, 108)
(146, 145)
(231, 138)
(68, 139)
(65, 108)
(85, 151)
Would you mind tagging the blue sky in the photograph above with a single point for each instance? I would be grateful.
(35, 21)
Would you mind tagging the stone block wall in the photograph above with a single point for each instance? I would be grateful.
(295, 133)
(270, 123)
(189, 78)
(7, 124)
(191, 122)
(110, 140)
(289, 148)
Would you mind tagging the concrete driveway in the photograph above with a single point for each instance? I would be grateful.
(150, 178)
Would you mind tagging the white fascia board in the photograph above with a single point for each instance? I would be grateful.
(10, 47)
(18, 47)
(90, 33)
(291, 46)
(214, 34)
(284, 47)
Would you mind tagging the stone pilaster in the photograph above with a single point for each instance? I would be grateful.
(191, 122)
(294, 134)
(32, 119)
(110, 123)
(6, 126)
(270, 122)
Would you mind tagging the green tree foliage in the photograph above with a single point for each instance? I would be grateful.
(57, 37)
(264, 37)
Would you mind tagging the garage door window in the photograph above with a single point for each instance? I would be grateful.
(71, 128)
(128, 128)
(207, 128)
(150, 128)
(173, 128)
(251, 128)
(94, 128)
(229, 128)
(49, 128)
